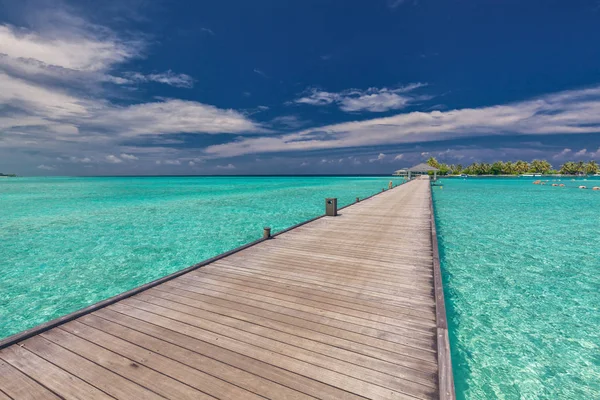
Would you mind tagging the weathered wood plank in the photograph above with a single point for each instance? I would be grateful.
(101, 378)
(286, 348)
(19, 386)
(163, 329)
(54, 378)
(126, 367)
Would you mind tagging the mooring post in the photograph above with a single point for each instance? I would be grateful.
(331, 207)
(357, 199)
(266, 232)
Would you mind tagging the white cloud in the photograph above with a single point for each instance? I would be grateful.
(399, 157)
(207, 30)
(568, 112)
(304, 164)
(372, 99)
(113, 159)
(46, 167)
(168, 78)
(72, 46)
(228, 166)
(76, 160)
(129, 157)
(172, 116)
(562, 154)
(581, 152)
(172, 162)
(380, 157)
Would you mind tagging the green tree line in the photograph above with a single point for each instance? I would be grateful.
(516, 168)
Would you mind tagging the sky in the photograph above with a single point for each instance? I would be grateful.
(152, 87)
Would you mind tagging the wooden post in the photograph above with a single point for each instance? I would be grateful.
(331, 207)
(266, 232)
(357, 199)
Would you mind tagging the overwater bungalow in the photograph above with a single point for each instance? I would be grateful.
(417, 170)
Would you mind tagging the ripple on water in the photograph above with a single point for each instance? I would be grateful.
(522, 280)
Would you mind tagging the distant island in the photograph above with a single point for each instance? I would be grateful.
(7, 175)
(516, 168)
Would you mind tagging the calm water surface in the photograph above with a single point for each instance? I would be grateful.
(70, 242)
(522, 276)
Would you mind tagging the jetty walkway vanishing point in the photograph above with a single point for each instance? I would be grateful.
(346, 307)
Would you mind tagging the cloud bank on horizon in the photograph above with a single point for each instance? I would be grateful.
(78, 92)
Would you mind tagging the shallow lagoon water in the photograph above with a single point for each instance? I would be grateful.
(521, 272)
(70, 242)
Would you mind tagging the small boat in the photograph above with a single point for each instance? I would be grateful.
(464, 175)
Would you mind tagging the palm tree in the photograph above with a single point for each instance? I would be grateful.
(432, 162)
(569, 168)
(591, 168)
(521, 167)
(540, 166)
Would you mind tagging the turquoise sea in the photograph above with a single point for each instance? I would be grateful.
(70, 242)
(521, 266)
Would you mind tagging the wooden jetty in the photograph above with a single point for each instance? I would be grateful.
(345, 307)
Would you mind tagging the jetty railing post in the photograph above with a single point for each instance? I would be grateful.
(331, 207)
(266, 232)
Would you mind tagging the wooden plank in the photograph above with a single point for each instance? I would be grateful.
(17, 385)
(52, 377)
(317, 292)
(402, 320)
(101, 378)
(161, 328)
(181, 372)
(409, 329)
(188, 325)
(333, 290)
(363, 344)
(252, 383)
(126, 367)
(356, 285)
(287, 345)
(418, 342)
(327, 270)
(293, 336)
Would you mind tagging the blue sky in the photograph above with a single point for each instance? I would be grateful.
(294, 87)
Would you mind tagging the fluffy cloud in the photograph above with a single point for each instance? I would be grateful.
(399, 157)
(129, 157)
(568, 112)
(113, 159)
(380, 157)
(372, 99)
(74, 47)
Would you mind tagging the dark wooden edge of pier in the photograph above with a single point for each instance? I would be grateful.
(36, 330)
(445, 375)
